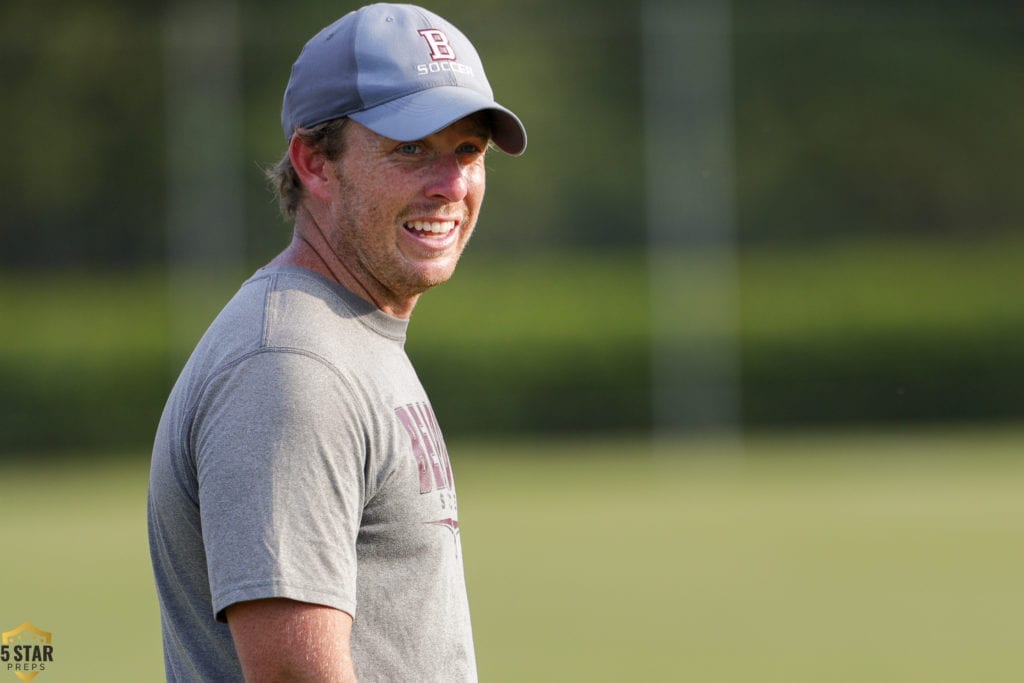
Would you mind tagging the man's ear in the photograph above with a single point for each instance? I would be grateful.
(311, 166)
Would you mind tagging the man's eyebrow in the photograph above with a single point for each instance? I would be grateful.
(481, 131)
(482, 127)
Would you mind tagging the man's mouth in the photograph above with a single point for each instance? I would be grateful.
(430, 227)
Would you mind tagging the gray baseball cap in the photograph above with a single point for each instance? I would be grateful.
(401, 71)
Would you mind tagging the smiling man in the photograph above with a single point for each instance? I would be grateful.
(302, 512)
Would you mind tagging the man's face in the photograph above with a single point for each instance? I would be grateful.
(402, 212)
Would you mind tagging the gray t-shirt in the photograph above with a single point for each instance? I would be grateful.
(298, 457)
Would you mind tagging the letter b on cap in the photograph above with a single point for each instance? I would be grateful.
(440, 49)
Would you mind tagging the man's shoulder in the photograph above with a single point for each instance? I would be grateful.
(283, 314)
(303, 307)
(276, 306)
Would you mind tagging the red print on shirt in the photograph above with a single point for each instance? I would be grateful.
(435, 469)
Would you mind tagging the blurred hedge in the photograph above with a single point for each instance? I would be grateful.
(862, 333)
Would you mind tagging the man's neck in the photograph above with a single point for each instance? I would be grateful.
(310, 250)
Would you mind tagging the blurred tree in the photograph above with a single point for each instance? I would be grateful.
(878, 119)
(82, 174)
(850, 119)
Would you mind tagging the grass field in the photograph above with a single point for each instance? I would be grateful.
(861, 558)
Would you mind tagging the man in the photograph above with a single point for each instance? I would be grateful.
(302, 514)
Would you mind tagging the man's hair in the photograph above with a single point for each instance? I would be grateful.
(327, 138)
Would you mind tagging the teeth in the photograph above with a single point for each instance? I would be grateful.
(437, 227)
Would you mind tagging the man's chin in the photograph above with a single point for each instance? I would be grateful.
(435, 280)
(434, 272)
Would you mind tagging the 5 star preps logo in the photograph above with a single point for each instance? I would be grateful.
(26, 651)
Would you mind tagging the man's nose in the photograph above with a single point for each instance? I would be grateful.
(448, 179)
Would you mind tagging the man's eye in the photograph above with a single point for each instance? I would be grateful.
(469, 148)
(409, 148)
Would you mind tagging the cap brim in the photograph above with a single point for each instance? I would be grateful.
(424, 113)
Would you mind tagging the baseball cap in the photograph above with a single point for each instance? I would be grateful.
(401, 71)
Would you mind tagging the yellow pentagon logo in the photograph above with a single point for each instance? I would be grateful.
(26, 651)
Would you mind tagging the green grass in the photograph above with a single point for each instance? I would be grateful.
(799, 558)
(75, 563)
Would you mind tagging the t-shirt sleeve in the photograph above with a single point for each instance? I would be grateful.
(281, 459)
